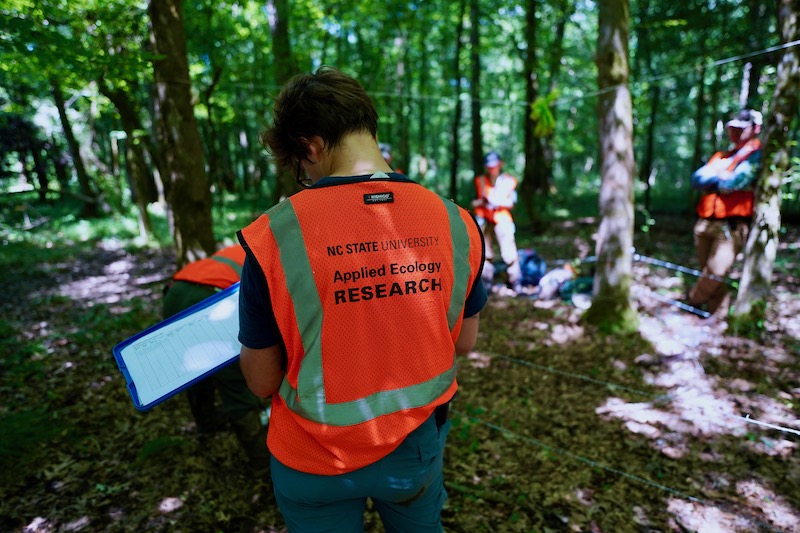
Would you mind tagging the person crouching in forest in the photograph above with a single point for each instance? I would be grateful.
(357, 294)
(725, 210)
(496, 195)
(238, 406)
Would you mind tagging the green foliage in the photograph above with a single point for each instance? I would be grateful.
(25, 438)
(542, 114)
(152, 449)
(58, 223)
(751, 325)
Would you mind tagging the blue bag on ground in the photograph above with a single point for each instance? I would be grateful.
(533, 267)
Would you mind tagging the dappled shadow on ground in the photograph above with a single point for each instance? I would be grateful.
(683, 428)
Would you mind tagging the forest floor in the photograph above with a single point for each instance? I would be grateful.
(682, 427)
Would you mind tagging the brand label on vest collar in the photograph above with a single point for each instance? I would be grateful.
(379, 198)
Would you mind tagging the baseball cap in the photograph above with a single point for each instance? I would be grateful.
(745, 118)
(492, 159)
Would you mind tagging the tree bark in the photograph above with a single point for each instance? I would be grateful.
(530, 186)
(611, 306)
(278, 10)
(140, 177)
(88, 194)
(474, 87)
(186, 184)
(556, 54)
(762, 243)
(456, 149)
(40, 167)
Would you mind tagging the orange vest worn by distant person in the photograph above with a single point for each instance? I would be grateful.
(221, 270)
(368, 279)
(483, 188)
(735, 203)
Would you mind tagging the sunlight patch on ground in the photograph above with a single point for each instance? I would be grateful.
(701, 518)
(169, 505)
(774, 507)
(479, 360)
(113, 285)
(695, 406)
(39, 525)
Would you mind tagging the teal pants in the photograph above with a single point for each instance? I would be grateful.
(406, 487)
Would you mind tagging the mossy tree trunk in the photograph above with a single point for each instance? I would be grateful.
(762, 243)
(186, 182)
(611, 306)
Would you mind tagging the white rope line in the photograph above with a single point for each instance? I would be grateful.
(736, 510)
(580, 458)
(464, 95)
(664, 398)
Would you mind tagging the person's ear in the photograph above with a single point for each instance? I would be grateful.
(316, 148)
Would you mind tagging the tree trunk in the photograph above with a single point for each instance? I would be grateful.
(422, 122)
(530, 186)
(556, 54)
(187, 188)
(140, 177)
(88, 194)
(700, 105)
(474, 87)
(762, 243)
(40, 167)
(759, 21)
(646, 168)
(278, 10)
(611, 306)
(457, 113)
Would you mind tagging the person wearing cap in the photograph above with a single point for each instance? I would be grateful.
(496, 195)
(725, 209)
(357, 294)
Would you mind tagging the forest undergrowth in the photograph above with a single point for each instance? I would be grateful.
(682, 427)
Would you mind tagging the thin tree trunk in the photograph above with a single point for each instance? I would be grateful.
(278, 10)
(762, 243)
(556, 54)
(186, 184)
(40, 168)
(646, 168)
(140, 177)
(475, 84)
(611, 307)
(698, 119)
(88, 193)
(530, 186)
(457, 112)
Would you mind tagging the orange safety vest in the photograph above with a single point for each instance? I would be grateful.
(735, 203)
(483, 187)
(367, 280)
(221, 270)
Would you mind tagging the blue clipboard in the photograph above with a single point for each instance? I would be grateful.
(171, 356)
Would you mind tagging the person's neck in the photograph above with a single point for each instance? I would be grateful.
(357, 154)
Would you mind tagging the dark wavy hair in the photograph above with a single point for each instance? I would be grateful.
(326, 103)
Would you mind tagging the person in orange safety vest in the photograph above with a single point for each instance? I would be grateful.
(495, 196)
(356, 296)
(239, 407)
(725, 210)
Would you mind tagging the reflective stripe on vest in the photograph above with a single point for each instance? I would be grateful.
(230, 262)
(221, 270)
(285, 227)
